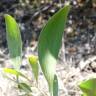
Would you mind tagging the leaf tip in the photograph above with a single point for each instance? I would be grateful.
(6, 16)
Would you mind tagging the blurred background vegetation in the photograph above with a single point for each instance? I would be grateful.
(80, 32)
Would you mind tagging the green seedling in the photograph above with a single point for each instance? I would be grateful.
(88, 87)
(49, 44)
(15, 73)
(15, 48)
(33, 60)
(22, 86)
(48, 48)
(14, 41)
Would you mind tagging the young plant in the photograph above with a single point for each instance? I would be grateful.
(14, 41)
(48, 48)
(88, 87)
(50, 43)
(15, 49)
(33, 60)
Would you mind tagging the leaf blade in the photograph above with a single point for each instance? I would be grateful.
(15, 72)
(33, 60)
(25, 87)
(89, 87)
(50, 43)
(13, 40)
(55, 86)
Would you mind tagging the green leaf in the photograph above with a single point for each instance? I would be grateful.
(50, 43)
(14, 40)
(33, 60)
(14, 72)
(25, 87)
(55, 86)
(89, 87)
(83, 95)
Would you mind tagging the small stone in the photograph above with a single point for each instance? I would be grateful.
(93, 65)
(74, 2)
(69, 30)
